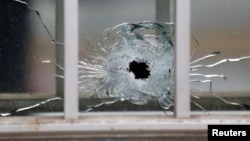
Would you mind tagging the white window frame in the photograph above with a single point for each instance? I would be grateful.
(124, 124)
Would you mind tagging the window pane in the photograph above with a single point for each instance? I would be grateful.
(220, 30)
(26, 48)
(126, 55)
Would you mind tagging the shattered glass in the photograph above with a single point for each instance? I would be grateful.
(125, 66)
(134, 62)
(126, 57)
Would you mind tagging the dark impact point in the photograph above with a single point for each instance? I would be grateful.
(140, 69)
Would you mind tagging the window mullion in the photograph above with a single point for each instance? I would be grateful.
(182, 40)
(70, 59)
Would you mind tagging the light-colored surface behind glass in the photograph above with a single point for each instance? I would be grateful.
(222, 26)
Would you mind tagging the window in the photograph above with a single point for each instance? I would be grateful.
(179, 123)
(100, 43)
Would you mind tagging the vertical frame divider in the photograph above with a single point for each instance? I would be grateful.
(182, 42)
(71, 102)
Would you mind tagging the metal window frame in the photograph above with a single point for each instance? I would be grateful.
(182, 27)
(182, 40)
(71, 42)
(118, 123)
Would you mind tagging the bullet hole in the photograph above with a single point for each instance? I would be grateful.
(140, 69)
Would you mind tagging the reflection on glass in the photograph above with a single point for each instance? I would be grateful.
(220, 32)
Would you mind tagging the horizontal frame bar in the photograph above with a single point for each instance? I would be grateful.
(114, 122)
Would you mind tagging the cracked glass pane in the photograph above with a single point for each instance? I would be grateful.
(155, 37)
(27, 41)
(220, 61)
(126, 56)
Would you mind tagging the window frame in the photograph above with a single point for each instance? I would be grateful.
(182, 122)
